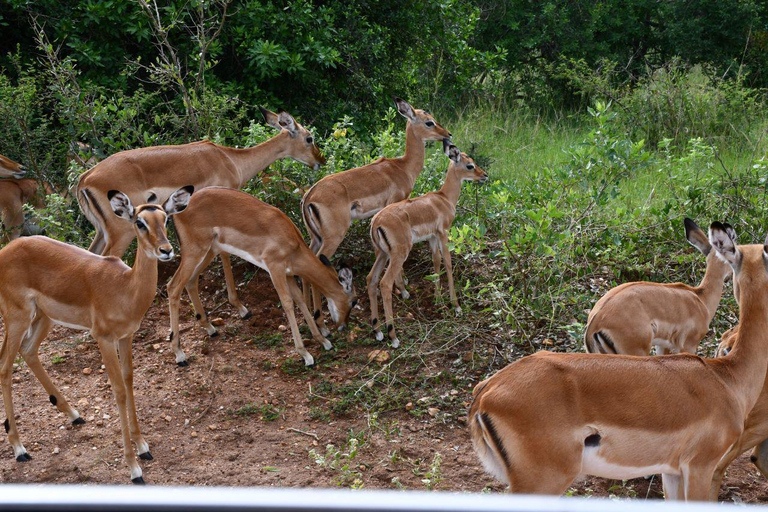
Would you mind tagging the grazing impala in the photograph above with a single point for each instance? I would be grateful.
(223, 220)
(46, 282)
(547, 418)
(11, 169)
(397, 227)
(330, 206)
(150, 175)
(633, 317)
(755, 436)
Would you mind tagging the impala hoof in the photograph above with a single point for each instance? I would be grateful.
(24, 457)
(78, 421)
(215, 334)
(405, 295)
(247, 315)
(146, 456)
(139, 480)
(753, 459)
(379, 335)
(182, 363)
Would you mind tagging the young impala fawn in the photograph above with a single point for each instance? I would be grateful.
(224, 220)
(46, 282)
(330, 206)
(397, 227)
(633, 317)
(547, 418)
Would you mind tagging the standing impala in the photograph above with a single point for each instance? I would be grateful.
(330, 206)
(11, 169)
(547, 418)
(46, 282)
(14, 194)
(397, 227)
(150, 175)
(223, 220)
(633, 317)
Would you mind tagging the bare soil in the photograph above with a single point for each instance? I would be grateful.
(248, 413)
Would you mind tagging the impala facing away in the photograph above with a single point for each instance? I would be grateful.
(222, 220)
(150, 175)
(397, 227)
(675, 317)
(755, 436)
(46, 282)
(330, 206)
(11, 169)
(547, 418)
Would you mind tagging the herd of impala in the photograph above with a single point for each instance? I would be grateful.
(537, 425)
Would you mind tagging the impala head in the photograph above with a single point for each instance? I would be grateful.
(697, 238)
(340, 308)
(149, 220)
(464, 166)
(11, 169)
(749, 262)
(302, 145)
(421, 121)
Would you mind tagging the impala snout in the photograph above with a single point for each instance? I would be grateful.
(20, 172)
(165, 253)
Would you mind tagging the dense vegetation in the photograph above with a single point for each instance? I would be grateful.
(602, 124)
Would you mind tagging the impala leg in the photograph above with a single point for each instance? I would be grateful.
(193, 290)
(97, 245)
(387, 282)
(446, 253)
(328, 248)
(696, 482)
(400, 284)
(299, 299)
(30, 347)
(553, 478)
(119, 388)
(226, 265)
(190, 257)
(14, 333)
(16, 221)
(760, 457)
(280, 282)
(434, 246)
(125, 354)
(373, 286)
(673, 486)
(118, 240)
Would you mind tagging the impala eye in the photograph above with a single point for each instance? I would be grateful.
(140, 224)
(310, 140)
(430, 123)
(470, 166)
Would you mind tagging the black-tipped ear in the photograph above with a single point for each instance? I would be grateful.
(179, 200)
(722, 238)
(324, 260)
(111, 194)
(696, 237)
(405, 108)
(270, 118)
(121, 204)
(446, 145)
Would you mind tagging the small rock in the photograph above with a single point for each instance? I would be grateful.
(282, 328)
(409, 406)
(16, 379)
(87, 371)
(168, 418)
(212, 427)
(193, 434)
(83, 403)
(218, 321)
(156, 346)
(409, 316)
(433, 411)
(106, 417)
(454, 392)
(56, 450)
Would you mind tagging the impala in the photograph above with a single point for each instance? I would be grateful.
(755, 436)
(397, 227)
(330, 206)
(11, 169)
(547, 418)
(14, 194)
(150, 175)
(46, 282)
(223, 220)
(633, 317)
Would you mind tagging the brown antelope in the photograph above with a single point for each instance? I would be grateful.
(397, 227)
(755, 436)
(330, 206)
(46, 282)
(674, 317)
(149, 175)
(547, 418)
(220, 220)
(11, 169)
(14, 194)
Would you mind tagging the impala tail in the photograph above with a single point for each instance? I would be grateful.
(486, 440)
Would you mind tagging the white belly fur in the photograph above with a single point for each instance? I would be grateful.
(593, 464)
(243, 254)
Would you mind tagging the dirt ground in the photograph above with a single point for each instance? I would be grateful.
(249, 414)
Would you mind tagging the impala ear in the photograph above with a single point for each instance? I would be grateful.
(179, 200)
(324, 260)
(286, 122)
(345, 279)
(722, 237)
(405, 108)
(121, 205)
(696, 236)
(270, 118)
(454, 153)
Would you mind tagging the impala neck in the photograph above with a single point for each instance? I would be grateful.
(451, 188)
(310, 268)
(711, 287)
(143, 275)
(745, 365)
(413, 159)
(252, 161)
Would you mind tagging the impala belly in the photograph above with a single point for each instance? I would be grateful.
(592, 463)
(242, 254)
